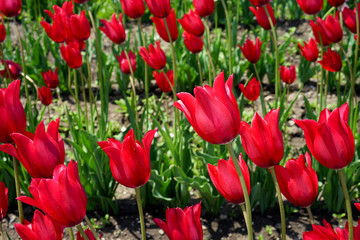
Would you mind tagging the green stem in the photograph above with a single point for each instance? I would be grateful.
(243, 209)
(77, 94)
(348, 203)
(83, 234)
(6, 66)
(91, 95)
(88, 222)
(321, 83)
(200, 72)
(281, 204)
(326, 87)
(141, 214)
(84, 97)
(244, 188)
(262, 98)
(310, 215)
(228, 35)
(353, 98)
(207, 48)
(17, 186)
(71, 233)
(317, 85)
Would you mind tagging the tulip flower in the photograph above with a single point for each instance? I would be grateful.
(213, 113)
(56, 31)
(71, 54)
(163, 81)
(320, 36)
(159, 8)
(171, 23)
(331, 28)
(88, 233)
(13, 117)
(252, 90)
(350, 18)
(114, 29)
(263, 142)
(155, 57)
(45, 95)
(81, 1)
(2, 30)
(357, 205)
(226, 179)
(310, 7)
(12, 67)
(41, 227)
(251, 51)
(133, 8)
(331, 61)
(288, 75)
(124, 63)
(336, 3)
(259, 3)
(182, 224)
(298, 182)
(204, 7)
(262, 17)
(330, 140)
(310, 50)
(4, 201)
(80, 26)
(10, 8)
(192, 43)
(51, 78)
(130, 159)
(192, 23)
(62, 198)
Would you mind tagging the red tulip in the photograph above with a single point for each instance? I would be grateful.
(288, 75)
(55, 32)
(81, 1)
(171, 23)
(226, 180)
(252, 90)
(310, 50)
(12, 111)
(259, 3)
(204, 7)
(2, 30)
(331, 28)
(114, 29)
(320, 37)
(263, 142)
(80, 26)
(10, 8)
(4, 201)
(182, 224)
(310, 7)
(159, 8)
(298, 182)
(192, 43)
(251, 51)
(62, 198)
(357, 205)
(133, 8)
(155, 57)
(88, 233)
(330, 140)
(350, 18)
(163, 81)
(41, 227)
(331, 61)
(124, 63)
(71, 54)
(192, 23)
(51, 78)
(13, 68)
(261, 16)
(130, 160)
(213, 113)
(336, 3)
(45, 95)
(41, 153)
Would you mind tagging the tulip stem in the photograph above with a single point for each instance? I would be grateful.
(91, 95)
(6, 66)
(321, 81)
(71, 233)
(243, 209)
(228, 35)
(353, 97)
(141, 214)
(200, 72)
(244, 188)
(17, 186)
(310, 215)
(88, 222)
(317, 85)
(84, 97)
(281, 204)
(347, 201)
(77, 94)
(81, 230)
(207, 47)
(326, 87)
(263, 107)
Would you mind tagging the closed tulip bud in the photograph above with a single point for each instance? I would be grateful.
(251, 51)
(192, 43)
(81, 1)
(88, 233)
(259, 3)
(130, 159)
(226, 180)
(310, 7)
(114, 29)
(263, 142)
(331, 28)
(124, 63)
(71, 54)
(213, 113)
(163, 81)
(155, 57)
(261, 16)
(51, 78)
(159, 8)
(204, 7)
(192, 23)
(182, 224)
(350, 18)
(13, 117)
(288, 75)
(171, 23)
(62, 198)
(80, 26)
(10, 8)
(45, 95)
(298, 182)
(133, 8)
(310, 50)
(252, 90)
(41, 227)
(331, 61)
(330, 140)
(336, 3)
(2, 30)
(12, 67)
(320, 36)
(4, 201)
